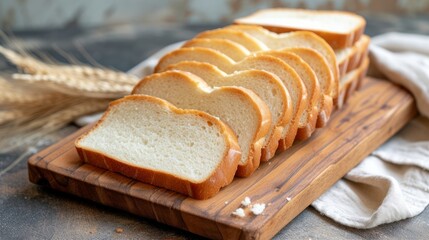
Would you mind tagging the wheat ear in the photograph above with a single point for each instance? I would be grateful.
(32, 65)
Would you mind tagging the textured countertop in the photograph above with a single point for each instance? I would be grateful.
(28, 211)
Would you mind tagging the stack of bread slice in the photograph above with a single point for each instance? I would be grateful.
(246, 91)
(343, 31)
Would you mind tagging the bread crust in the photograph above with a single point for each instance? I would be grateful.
(334, 39)
(222, 175)
(349, 86)
(264, 114)
(250, 43)
(357, 55)
(235, 51)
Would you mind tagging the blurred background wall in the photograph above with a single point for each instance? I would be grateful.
(51, 14)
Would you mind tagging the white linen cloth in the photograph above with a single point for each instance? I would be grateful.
(393, 182)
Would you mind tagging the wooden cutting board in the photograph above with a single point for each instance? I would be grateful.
(287, 184)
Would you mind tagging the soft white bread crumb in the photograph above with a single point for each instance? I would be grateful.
(239, 212)
(258, 208)
(246, 202)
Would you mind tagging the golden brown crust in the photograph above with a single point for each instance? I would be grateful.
(264, 115)
(306, 131)
(232, 49)
(325, 112)
(222, 176)
(198, 54)
(358, 52)
(349, 86)
(244, 39)
(334, 39)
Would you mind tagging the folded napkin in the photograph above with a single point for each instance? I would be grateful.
(393, 182)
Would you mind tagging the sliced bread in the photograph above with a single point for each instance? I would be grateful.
(339, 29)
(352, 81)
(271, 64)
(308, 120)
(324, 76)
(148, 139)
(266, 85)
(351, 57)
(246, 114)
(295, 39)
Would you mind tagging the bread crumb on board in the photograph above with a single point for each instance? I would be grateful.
(246, 202)
(239, 212)
(119, 230)
(258, 208)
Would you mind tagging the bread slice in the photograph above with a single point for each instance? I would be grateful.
(350, 58)
(236, 51)
(250, 43)
(339, 29)
(287, 75)
(352, 81)
(324, 76)
(150, 140)
(295, 39)
(246, 114)
(266, 85)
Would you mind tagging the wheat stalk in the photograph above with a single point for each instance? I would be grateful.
(32, 65)
(48, 96)
(77, 85)
(15, 94)
(9, 115)
(32, 126)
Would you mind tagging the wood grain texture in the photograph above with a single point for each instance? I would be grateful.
(302, 173)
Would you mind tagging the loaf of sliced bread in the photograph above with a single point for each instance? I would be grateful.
(246, 114)
(294, 39)
(325, 78)
(286, 74)
(266, 85)
(236, 52)
(339, 29)
(148, 139)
